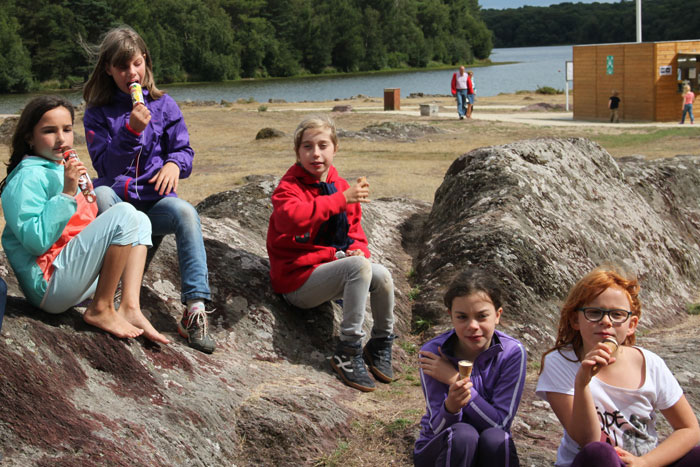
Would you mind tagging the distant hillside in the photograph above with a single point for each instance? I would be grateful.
(593, 23)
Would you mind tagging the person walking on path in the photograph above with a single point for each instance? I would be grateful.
(471, 93)
(688, 99)
(613, 105)
(459, 90)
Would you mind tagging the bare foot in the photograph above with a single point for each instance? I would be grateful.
(135, 317)
(108, 320)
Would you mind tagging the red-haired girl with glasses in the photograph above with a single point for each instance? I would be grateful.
(606, 396)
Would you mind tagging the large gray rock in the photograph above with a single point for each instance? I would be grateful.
(541, 213)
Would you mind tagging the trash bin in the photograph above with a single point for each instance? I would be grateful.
(427, 110)
(392, 99)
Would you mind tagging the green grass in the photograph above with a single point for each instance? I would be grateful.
(413, 293)
(399, 424)
(422, 325)
(694, 309)
(335, 458)
(408, 347)
(638, 137)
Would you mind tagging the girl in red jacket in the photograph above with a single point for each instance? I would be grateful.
(318, 252)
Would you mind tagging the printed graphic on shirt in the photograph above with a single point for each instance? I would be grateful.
(635, 437)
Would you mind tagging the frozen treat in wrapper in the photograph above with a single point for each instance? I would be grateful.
(465, 368)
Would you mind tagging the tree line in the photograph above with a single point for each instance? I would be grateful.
(593, 23)
(216, 40)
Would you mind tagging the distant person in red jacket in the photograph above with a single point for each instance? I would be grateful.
(460, 90)
(318, 252)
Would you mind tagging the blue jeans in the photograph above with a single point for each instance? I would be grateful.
(462, 102)
(174, 215)
(688, 109)
(78, 265)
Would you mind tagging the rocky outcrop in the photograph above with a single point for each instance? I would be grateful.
(541, 213)
(537, 213)
(72, 395)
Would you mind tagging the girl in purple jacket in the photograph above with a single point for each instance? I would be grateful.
(467, 420)
(140, 148)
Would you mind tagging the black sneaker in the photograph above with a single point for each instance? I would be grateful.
(193, 327)
(377, 354)
(348, 363)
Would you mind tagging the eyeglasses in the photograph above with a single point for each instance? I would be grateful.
(596, 314)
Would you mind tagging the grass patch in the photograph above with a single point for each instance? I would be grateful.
(413, 293)
(643, 137)
(694, 309)
(399, 424)
(335, 458)
(421, 325)
(548, 90)
(409, 347)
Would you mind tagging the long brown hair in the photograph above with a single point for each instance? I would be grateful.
(31, 114)
(585, 291)
(117, 48)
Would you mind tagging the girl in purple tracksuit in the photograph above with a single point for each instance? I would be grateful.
(467, 421)
(140, 149)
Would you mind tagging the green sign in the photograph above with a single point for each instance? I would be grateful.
(609, 65)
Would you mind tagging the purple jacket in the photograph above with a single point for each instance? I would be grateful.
(498, 377)
(116, 150)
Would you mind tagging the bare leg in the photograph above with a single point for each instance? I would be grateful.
(101, 313)
(130, 307)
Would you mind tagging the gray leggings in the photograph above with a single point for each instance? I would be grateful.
(351, 278)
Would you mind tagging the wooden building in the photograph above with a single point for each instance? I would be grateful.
(648, 76)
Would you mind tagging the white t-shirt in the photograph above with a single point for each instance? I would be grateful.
(462, 81)
(627, 416)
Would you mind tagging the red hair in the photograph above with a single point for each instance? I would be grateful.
(585, 291)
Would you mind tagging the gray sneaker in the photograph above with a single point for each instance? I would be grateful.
(193, 327)
(348, 363)
(377, 354)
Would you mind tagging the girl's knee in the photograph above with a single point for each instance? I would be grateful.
(360, 265)
(464, 440)
(464, 433)
(143, 222)
(185, 213)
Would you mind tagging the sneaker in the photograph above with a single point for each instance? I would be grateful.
(377, 354)
(193, 327)
(348, 363)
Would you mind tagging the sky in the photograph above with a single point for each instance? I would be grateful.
(500, 4)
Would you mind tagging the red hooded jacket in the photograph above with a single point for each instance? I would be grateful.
(299, 210)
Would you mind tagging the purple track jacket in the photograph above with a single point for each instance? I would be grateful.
(498, 377)
(125, 160)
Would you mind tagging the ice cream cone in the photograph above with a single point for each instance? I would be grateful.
(465, 368)
(612, 345)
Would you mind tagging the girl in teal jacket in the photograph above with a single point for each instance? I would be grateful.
(60, 252)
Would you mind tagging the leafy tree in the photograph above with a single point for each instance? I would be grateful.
(15, 64)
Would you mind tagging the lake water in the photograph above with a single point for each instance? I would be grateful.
(537, 66)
